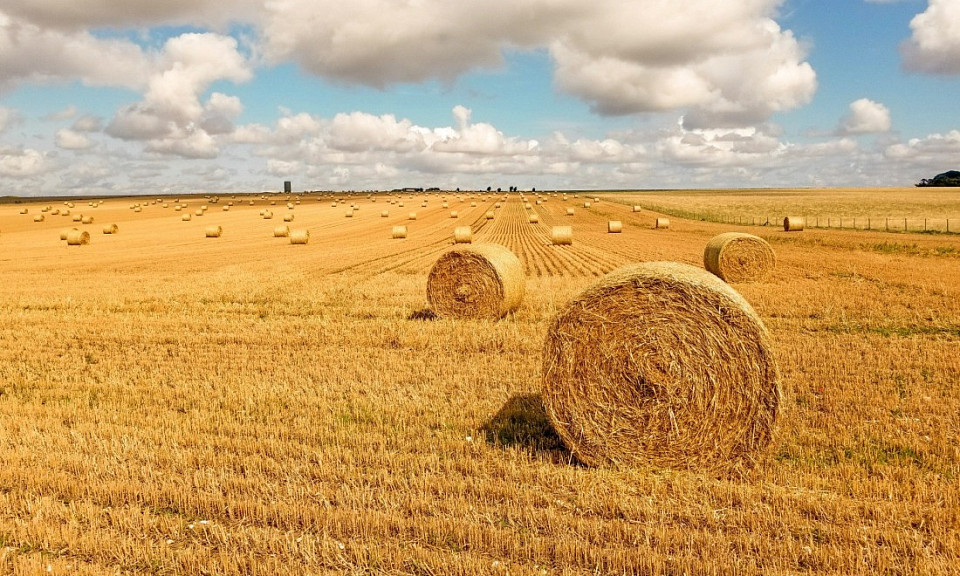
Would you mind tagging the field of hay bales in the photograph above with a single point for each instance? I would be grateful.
(173, 403)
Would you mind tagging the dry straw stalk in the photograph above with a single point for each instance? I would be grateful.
(661, 364)
(462, 235)
(561, 235)
(793, 224)
(481, 281)
(739, 257)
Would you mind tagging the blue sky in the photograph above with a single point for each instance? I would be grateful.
(185, 96)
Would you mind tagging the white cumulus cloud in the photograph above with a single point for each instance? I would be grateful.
(72, 140)
(22, 162)
(865, 117)
(934, 46)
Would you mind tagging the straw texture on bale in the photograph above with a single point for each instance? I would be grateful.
(739, 257)
(399, 232)
(281, 232)
(662, 223)
(561, 235)
(213, 231)
(614, 226)
(110, 229)
(481, 281)
(299, 236)
(793, 224)
(462, 235)
(78, 237)
(661, 364)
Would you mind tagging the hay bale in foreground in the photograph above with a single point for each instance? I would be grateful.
(793, 224)
(462, 235)
(661, 364)
(299, 236)
(111, 229)
(398, 232)
(614, 227)
(739, 257)
(561, 235)
(481, 281)
(213, 231)
(281, 232)
(78, 237)
(662, 224)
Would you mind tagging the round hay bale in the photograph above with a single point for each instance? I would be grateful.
(385, 214)
(268, 215)
(110, 229)
(399, 204)
(561, 235)
(636, 208)
(198, 212)
(213, 231)
(793, 224)
(489, 215)
(445, 205)
(481, 281)
(177, 208)
(586, 204)
(65, 232)
(663, 223)
(473, 204)
(454, 214)
(24, 210)
(533, 218)
(299, 236)
(226, 208)
(739, 257)
(38, 218)
(614, 227)
(78, 237)
(661, 364)
(78, 217)
(87, 220)
(398, 232)
(186, 217)
(570, 212)
(281, 232)
(412, 216)
(462, 235)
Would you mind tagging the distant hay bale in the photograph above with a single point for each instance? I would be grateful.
(289, 217)
(661, 364)
(570, 212)
(226, 208)
(739, 257)
(186, 217)
(445, 205)
(399, 204)
(65, 232)
(561, 235)
(385, 214)
(177, 208)
(78, 237)
(87, 220)
(793, 224)
(533, 218)
(586, 204)
(198, 212)
(398, 232)
(412, 216)
(111, 229)
(213, 231)
(636, 208)
(614, 227)
(38, 218)
(481, 281)
(454, 214)
(281, 232)
(662, 223)
(490, 215)
(473, 204)
(268, 215)
(78, 217)
(348, 214)
(462, 235)
(496, 205)
(24, 210)
(299, 236)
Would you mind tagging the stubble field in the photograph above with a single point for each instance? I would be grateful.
(175, 404)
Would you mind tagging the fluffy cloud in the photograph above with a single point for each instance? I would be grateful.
(22, 163)
(76, 14)
(72, 140)
(934, 46)
(865, 117)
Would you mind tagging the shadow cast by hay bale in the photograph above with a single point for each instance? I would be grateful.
(523, 423)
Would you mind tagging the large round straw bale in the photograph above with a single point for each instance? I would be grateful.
(299, 236)
(87, 220)
(186, 217)
(24, 210)
(661, 363)
(586, 204)
(793, 224)
(662, 223)
(739, 257)
(281, 232)
(198, 212)
(110, 229)
(78, 217)
(473, 204)
(213, 231)
(398, 232)
(570, 212)
(462, 235)
(454, 214)
(38, 218)
(78, 237)
(533, 218)
(561, 235)
(268, 215)
(489, 215)
(65, 232)
(636, 208)
(614, 227)
(385, 214)
(412, 216)
(477, 281)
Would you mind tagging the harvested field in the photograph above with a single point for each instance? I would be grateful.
(175, 405)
